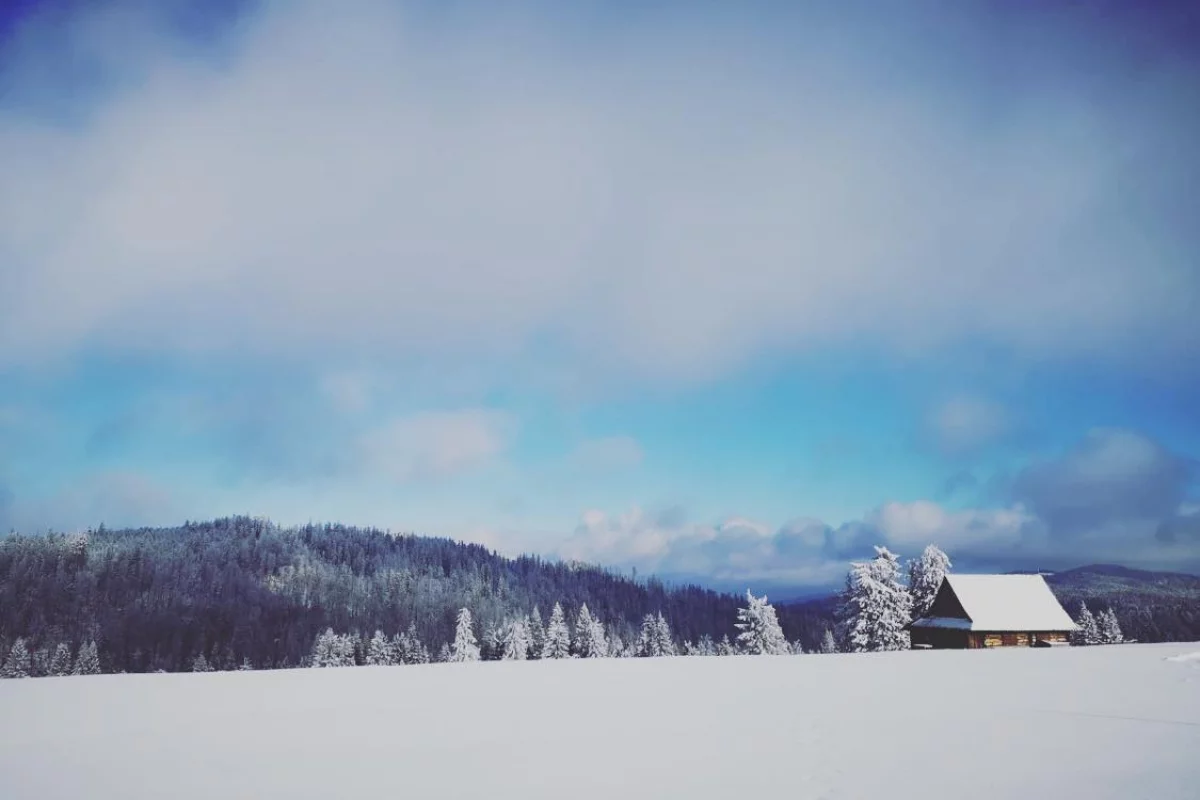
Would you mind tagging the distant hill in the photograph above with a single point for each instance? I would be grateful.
(243, 589)
(1151, 606)
(1107, 580)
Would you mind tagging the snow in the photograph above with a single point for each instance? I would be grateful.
(1095, 722)
(1005, 603)
(1183, 657)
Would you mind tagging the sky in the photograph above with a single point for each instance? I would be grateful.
(721, 293)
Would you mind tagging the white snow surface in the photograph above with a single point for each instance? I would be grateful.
(1096, 722)
(1005, 603)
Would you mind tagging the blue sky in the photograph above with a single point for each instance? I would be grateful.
(721, 294)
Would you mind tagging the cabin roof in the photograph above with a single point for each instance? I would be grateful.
(1001, 603)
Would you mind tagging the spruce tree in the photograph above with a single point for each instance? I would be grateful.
(759, 626)
(87, 660)
(590, 641)
(19, 663)
(60, 664)
(925, 575)
(665, 640)
(1088, 632)
(558, 636)
(1109, 629)
(465, 647)
(200, 664)
(828, 643)
(875, 606)
(379, 651)
(537, 633)
(516, 641)
(725, 647)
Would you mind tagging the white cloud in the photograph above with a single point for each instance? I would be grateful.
(913, 525)
(358, 183)
(436, 444)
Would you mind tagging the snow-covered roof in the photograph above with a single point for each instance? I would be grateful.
(1003, 603)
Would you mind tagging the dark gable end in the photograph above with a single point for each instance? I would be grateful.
(946, 603)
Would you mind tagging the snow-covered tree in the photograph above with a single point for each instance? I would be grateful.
(200, 664)
(60, 663)
(558, 636)
(465, 647)
(87, 660)
(590, 641)
(666, 641)
(332, 650)
(246, 665)
(1088, 631)
(491, 645)
(760, 631)
(925, 575)
(516, 641)
(379, 651)
(656, 639)
(1109, 628)
(705, 646)
(876, 606)
(408, 647)
(537, 633)
(828, 643)
(445, 654)
(725, 647)
(19, 663)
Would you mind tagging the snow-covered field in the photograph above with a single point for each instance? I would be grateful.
(1100, 722)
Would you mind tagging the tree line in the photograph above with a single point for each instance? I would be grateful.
(243, 592)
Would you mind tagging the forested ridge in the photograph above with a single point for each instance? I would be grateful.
(243, 592)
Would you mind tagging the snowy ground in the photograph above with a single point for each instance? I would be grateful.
(1102, 722)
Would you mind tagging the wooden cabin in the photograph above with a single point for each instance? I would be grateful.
(972, 611)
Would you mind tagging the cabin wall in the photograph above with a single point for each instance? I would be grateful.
(939, 638)
(944, 639)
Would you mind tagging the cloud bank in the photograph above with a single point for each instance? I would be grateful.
(1114, 496)
(656, 197)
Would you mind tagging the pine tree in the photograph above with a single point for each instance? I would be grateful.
(558, 637)
(1109, 628)
(516, 641)
(590, 641)
(60, 664)
(537, 633)
(875, 606)
(200, 664)
(465, 647)
(1088, 631)
(246, 665)
(19, 663)
(333, 650)
(725, 647)
(379, 651)
(409, 647)
(87, 660)
(492, 646)
(706, 647)
(759, 626)
(662, 632)
(445, 654)
(828, 643)
(925, 576)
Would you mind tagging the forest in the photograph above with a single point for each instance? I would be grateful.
(243, 592)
